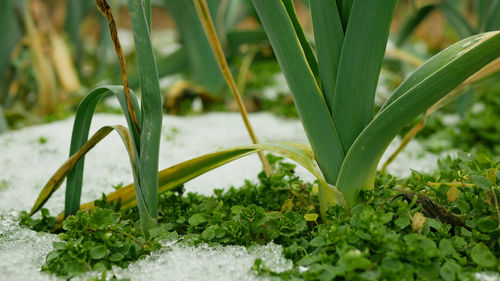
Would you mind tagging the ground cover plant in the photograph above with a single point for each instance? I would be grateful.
(388, 237)
(356, 225)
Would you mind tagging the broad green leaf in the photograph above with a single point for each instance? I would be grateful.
(413, 22)
(80, 134)
(481, 255)
(57, 179)
(427, 85)
(309, 100)
(328, 37)
(152, 115)
(308, 52)
(185, 171)
(359, 68)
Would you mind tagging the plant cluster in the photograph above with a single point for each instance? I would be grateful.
(387, 238)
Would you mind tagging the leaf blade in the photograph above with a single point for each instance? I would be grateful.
(362, 54)
(315, 117)
(435, 80)
(328, 36)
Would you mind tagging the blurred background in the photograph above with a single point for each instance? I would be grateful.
(53, 52)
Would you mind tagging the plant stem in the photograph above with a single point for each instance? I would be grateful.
(208, 26)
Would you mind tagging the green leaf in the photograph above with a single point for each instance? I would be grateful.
(185, 171)
(208, 234)
(201, 60)
(345, 12)
(72, 163)
(482, 182)
(309, 100)
(493, 21)
(81, 127)
(98, 252)
(359, 68)
(152, 116)
(457, 20)
(196, 219)
(318, 241)
(487, 225)
(482, 256)
(427, 85)
(402, 222)
(116, 257)
(413, 22)
(308, 52)
(328, 37)
(449, 270)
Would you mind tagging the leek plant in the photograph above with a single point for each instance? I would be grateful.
(144, 123)
(333, 86)
(334, 89)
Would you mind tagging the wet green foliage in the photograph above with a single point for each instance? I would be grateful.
(378, 241)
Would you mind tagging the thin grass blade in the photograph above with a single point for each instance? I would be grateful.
(309, 100)
(57, 179)
(430, 83)
(328, 37)
(359, 68)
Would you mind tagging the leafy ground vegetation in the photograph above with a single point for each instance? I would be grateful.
(389, 237)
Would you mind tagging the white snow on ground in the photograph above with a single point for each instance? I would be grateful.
(28, 158)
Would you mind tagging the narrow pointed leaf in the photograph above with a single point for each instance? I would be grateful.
(430, 83)
(359, 68)
(151, 108)
(328, 36)
(57, 179)
(185, 171)
(308, 98)
(311, 59)
(80, 134)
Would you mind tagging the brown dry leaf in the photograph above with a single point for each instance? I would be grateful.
(418, 222)
(452, 194)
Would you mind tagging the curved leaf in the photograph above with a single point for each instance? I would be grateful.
(185, 171)
(81, 127)
(430, 83)
(57, 179)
